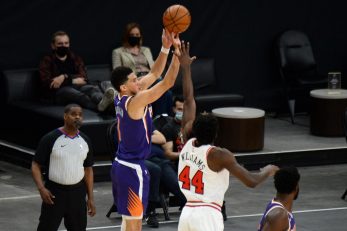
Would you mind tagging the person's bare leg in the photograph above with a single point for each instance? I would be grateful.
(131, 224)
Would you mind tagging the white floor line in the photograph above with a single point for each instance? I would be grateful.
(236, 216)
(19, 197)
(319, 210)
(17, 147)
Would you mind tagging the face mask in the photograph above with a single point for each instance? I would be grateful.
(133, 41)
(62, 51)
(179, 115)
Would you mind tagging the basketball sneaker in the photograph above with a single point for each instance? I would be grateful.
(152, 220)
(107, 99)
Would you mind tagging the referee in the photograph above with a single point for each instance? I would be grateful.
(66, 156)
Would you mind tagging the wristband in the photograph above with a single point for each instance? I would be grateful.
(165, 50)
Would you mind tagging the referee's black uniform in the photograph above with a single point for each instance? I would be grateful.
(64, 159)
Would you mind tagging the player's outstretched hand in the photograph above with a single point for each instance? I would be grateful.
(270, 169)
(184, 58)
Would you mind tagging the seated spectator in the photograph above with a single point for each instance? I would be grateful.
(139, 58)
(64, 79)
(178, 130)
(172, 130)
(162, 174)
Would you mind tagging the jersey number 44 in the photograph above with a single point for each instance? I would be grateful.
(196, 181)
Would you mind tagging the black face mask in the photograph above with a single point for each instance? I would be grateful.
(62, 51)
(134, 41)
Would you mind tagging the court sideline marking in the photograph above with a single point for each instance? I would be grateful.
(236, 216)
(19, 197)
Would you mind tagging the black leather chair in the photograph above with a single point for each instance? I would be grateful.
(99, 74)
(297, 67)
(207, 96)
(26, 109)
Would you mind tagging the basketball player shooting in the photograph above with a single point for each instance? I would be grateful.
(130, 178)
(203, 174)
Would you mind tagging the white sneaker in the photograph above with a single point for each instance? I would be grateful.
(107, 99)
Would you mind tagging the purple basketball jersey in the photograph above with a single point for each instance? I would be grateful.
(274, 204)
(134, 136)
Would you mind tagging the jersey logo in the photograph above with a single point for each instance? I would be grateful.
(135, 207)
(196, 181)
(63, 145)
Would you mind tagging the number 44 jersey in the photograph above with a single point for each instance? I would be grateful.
(197, 181)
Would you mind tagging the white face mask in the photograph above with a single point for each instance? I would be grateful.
(179, 115)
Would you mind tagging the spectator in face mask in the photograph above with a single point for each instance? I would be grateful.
(64, 78)
(178, 130)
(140, 60)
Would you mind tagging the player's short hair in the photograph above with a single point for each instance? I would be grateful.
(286, 179)
(120, 76)
(58, 33)
(68, 107)
(178, 98)
(205, 128)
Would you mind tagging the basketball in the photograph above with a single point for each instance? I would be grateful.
(176, 19)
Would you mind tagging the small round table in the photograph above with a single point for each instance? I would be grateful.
(327, 112)
(241, 129)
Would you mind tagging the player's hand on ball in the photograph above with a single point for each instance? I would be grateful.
(176, 42)
(166, 39)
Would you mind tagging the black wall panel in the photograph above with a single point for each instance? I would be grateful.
(239, 34)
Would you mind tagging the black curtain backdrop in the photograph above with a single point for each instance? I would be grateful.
(238, 34)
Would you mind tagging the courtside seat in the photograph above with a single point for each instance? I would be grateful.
(30, 116)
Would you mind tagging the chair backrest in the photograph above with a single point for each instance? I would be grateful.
(112, 141)
(98, 73)
(160, 121)
(21, 85)
(295, 52)
(203, 76)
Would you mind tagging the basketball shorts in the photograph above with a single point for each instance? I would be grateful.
(130, 186)
(200, 218)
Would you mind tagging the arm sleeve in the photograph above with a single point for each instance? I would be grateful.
(116, 59)
(45, 70)
(80, 68)
(89, 161)
(44, 148)
(150, 60)
(169, 132)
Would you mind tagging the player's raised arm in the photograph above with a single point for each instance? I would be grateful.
(189, 106)
(159, 64)
(145, 97)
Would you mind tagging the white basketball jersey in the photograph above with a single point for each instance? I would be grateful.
(196, 180)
